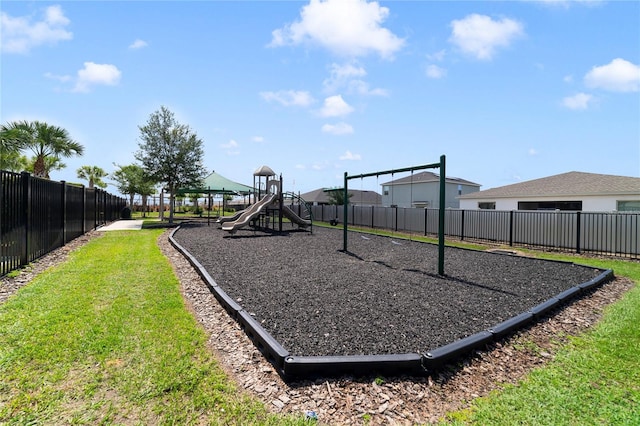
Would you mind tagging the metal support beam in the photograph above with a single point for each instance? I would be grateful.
(441, 165)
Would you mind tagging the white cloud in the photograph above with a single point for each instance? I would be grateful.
(289, 97)
(350, 156)
(617, 76)
(568, 79)
(232, 144)
(257, 139)
(335, 106)
(340, 75)
(319, 166)
(231, 147)
(438, 56)
(481, 36)
(362, 88)
(348, 76)
(20, 35)
(60, 78)
(138, 44)
(579, 101)
(532, 152)
(338, 129)
(96, 74)
(434, 71)
(350, 28)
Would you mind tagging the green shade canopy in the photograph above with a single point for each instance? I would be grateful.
(218, 184)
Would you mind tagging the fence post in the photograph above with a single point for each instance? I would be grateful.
(395, 213)
(511, 228)
(26, 215)
(578, 215)
(462, 227)
(63, 209)
(84, 209)
(426, 222)
(373, 212)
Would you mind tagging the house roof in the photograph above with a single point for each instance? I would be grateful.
(565, 184)
(424, 177)
(218, 184)
(321, 196)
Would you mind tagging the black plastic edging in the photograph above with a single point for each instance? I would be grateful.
(264, 341)
(568, 294)
(304, 366)
(439, 356)
(510, 325)
(604, 277)
(291, 366)
(542, 309)
(223, 298)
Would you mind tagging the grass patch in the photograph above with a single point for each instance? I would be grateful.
(595, 379)
(106, 338)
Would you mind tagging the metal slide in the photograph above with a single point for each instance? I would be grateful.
(293, 217)
(248, 215)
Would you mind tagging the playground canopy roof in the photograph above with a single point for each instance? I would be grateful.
(218, 184)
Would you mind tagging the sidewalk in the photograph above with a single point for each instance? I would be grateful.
(122, 225)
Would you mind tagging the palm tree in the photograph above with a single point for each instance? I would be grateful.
(93, 174)
(10, 146)
(45, 141)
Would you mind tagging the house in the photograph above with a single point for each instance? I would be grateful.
(321, 197)
(575, 191)
(422, 190)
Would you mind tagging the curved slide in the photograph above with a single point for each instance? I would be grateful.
(248, 214)
(293, 217)
(235, 216)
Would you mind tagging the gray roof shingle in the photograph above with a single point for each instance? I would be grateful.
(565, 184)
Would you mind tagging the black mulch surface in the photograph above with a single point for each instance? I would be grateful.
(384, 297)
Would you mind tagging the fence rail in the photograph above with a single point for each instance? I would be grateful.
(608, 233)
(39, 215)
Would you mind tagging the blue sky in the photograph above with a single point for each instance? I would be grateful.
(508, 91)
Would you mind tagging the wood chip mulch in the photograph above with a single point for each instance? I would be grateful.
(371, 400)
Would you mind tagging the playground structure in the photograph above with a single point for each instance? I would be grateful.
(269, 209)
(442, 166)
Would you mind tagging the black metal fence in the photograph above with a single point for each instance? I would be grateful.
(607, 233)
(39, 215)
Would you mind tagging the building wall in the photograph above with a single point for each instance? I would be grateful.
(425, 194)
(589, 203)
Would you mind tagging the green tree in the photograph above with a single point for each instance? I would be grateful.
(50, 164)
(10, 146)
(170, 154)
(93, 174)
(132, 180)
(336, 196)
(47, 142)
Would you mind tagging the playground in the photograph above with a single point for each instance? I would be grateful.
(330, 302)
(381, 298)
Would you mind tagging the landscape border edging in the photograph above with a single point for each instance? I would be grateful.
(298, 367)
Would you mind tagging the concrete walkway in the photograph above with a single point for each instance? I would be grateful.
(123, 225)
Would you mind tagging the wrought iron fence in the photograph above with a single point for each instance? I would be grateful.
(608, 233)
(39, 215)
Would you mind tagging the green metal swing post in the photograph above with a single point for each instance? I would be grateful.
(442, 166)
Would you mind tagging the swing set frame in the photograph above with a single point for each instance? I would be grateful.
(441, 202)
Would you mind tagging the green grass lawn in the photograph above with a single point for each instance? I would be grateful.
(594, 380)
(105, 338)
